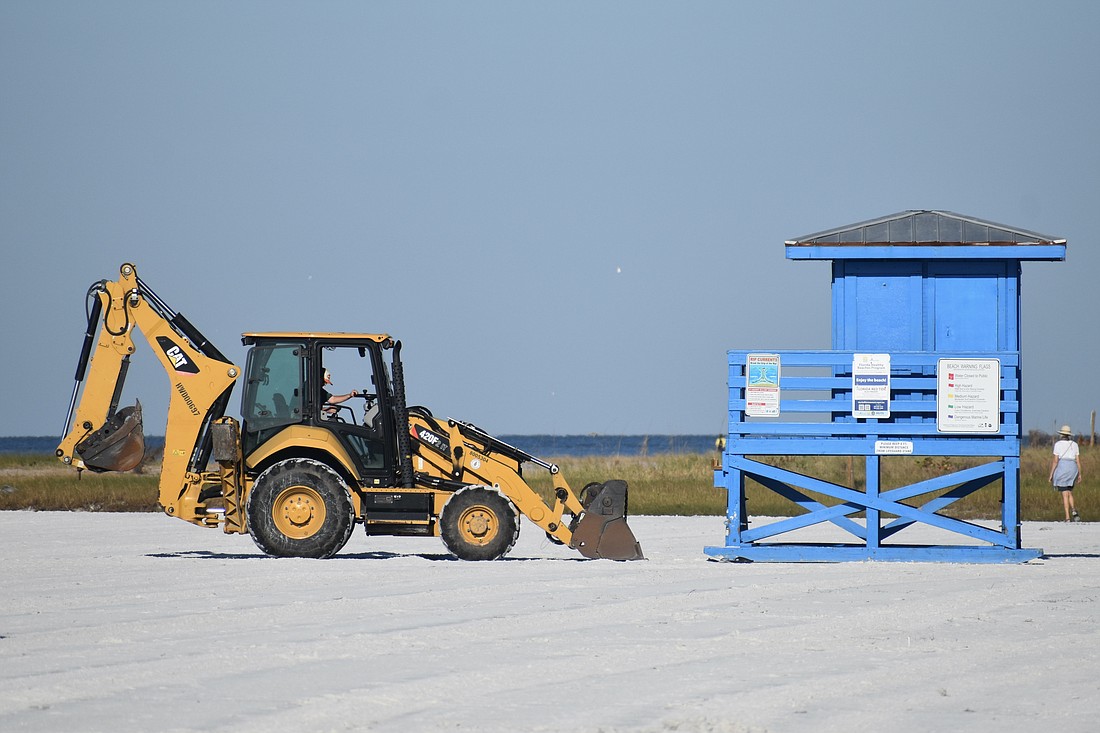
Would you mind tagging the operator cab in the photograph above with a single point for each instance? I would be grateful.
(285, 386)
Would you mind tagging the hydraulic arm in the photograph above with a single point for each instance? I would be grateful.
(100, 437)
(464, 453)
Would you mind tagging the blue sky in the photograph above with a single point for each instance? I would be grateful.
(567, 211)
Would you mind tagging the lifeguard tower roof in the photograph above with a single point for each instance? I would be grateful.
(918, 234)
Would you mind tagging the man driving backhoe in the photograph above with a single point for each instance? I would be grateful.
(331, 400)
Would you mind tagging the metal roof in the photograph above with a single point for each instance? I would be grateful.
(381, 338)
(926, 228)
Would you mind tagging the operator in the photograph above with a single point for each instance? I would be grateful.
(331, 400)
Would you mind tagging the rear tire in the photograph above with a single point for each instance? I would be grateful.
(300, 508)
(479, 523)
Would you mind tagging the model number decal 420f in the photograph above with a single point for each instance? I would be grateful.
(433, 440)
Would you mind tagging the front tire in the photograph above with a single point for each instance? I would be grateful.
(300, 508)
(479, 523)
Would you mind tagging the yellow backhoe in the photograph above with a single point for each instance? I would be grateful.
(302, 466)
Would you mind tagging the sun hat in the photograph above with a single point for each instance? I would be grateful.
(1065, 430)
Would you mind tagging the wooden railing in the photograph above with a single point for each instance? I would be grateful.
(926, 414)
(815, 408)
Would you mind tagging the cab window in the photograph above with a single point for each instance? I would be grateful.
(273, 391)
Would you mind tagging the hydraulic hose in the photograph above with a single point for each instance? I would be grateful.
(180, 323)
(93, 314)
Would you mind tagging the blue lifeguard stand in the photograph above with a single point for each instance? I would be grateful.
(925, 362)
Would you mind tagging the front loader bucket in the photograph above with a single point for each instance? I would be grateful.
(602, 531)
(117, 446)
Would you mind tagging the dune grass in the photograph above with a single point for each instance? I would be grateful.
(39, 482)
(684, 483)
(670, 483)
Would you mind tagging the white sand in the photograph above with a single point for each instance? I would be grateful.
(138, 622)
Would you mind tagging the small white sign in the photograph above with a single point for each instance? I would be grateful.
(871, 385)
(893, 447)
(762, 385)
(968, 395)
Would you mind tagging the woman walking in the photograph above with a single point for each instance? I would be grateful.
(1065, 470)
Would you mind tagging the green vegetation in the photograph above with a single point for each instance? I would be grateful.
(35, 481)
(683, 483)
(662, 483)
(674, 483)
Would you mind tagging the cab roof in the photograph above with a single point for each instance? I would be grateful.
(249, 338)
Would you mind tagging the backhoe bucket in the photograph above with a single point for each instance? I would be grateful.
(602, 531)
(117, 446)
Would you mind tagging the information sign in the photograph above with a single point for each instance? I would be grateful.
(762, 385)
(871, 385)
(968, 395)
(893, 447)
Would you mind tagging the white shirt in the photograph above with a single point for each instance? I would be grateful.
(1066, 449)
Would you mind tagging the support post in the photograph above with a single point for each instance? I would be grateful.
(874, 525)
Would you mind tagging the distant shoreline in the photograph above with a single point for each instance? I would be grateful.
(539, 444)
(592, 444)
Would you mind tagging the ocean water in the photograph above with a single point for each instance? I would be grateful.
(536, 445)
(610, 445)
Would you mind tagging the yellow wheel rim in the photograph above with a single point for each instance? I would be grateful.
(478, 525)
(299, 512)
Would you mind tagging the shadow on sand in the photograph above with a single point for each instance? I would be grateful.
(433, 557)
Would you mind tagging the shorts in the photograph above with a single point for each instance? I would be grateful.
(1064, 488)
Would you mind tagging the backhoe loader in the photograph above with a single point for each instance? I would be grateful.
(302, 467)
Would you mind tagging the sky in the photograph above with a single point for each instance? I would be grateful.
(566, 211)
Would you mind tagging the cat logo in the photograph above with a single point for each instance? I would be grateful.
(175, 354)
